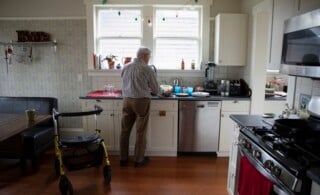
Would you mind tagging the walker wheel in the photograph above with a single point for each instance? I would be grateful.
(65, 186)
(107, 173)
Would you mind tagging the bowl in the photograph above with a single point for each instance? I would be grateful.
(166, 90)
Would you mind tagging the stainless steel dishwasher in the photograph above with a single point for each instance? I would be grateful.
(199, 123)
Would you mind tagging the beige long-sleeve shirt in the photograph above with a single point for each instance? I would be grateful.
(139, 80)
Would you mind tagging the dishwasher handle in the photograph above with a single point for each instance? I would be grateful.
(200, 106)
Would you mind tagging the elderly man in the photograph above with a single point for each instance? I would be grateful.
(138, 82)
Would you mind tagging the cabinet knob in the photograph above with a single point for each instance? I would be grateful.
(111, 114)
(222, 115)
(220, 61)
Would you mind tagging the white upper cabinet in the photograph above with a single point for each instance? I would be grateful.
(280, 10)
(303, 6)
(230, 39)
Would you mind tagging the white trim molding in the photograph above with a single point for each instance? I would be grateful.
(90, 6)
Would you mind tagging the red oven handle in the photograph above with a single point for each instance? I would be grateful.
(278, 187)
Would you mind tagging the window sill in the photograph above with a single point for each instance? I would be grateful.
(160, 73)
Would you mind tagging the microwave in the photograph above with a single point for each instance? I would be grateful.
(301, 45)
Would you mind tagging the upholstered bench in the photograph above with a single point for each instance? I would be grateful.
(34, 141)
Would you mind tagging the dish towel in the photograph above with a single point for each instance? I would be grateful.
(251, 181)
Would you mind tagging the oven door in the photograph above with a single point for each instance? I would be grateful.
(277, 187)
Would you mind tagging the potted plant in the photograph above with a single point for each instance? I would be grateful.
(111, 60)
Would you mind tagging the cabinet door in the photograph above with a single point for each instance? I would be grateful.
(105, 120)
(231, 180)
(233, 162)
(230, 39)
(162, 135)
(226, 131)
(105, 124)
(304, 6)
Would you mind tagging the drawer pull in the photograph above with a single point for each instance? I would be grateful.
(162, 113)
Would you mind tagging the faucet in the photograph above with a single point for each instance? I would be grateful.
(177, 81)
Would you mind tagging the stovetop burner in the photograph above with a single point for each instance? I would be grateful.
(294, 145)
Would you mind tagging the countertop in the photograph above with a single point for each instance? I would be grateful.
(173, 97)
(276, 98)
(245, 120)
(258, 121)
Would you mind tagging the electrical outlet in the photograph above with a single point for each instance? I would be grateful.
(304, 100)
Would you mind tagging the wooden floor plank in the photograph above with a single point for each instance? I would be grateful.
(163, 175)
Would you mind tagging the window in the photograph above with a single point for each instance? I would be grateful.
(119, 33)
(176, 37)
(172, 33)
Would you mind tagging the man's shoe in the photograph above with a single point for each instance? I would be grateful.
(124, 163)
(145, 161)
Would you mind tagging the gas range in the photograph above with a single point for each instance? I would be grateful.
(283, 156)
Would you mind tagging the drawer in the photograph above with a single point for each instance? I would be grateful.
(105, 104)
(236, 105)
(168, 105)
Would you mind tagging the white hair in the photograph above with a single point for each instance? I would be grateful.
(143, 50)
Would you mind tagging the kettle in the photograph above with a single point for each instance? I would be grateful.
(209, 71)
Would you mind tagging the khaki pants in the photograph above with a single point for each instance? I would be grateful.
(134, 110)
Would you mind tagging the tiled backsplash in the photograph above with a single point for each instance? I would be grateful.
(306, 86)
(50, 73)
(98, 82)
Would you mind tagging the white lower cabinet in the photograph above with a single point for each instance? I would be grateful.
(106, 122)
(162, 126)
(233, 162)
(229, 107)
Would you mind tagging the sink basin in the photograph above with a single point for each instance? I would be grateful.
(103, 93)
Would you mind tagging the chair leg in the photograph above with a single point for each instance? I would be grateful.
(35, 164)
(23, 165)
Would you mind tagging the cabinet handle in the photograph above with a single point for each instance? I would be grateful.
(111, 114)
(220, 61)
(235, 101)
(222, 115)
(162, 113)
(98, 100)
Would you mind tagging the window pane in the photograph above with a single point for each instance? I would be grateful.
(170, 52)
(119, 23)
(177, 23)
(119, 47)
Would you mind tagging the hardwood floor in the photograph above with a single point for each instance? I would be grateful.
(163, 175)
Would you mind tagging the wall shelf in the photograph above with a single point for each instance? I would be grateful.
(49, 43)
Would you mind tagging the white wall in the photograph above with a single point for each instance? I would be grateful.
(42, 8)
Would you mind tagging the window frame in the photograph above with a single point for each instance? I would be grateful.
(90, 6)
(198, 39)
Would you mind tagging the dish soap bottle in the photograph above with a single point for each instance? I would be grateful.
(182, 64)
(193, 64)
